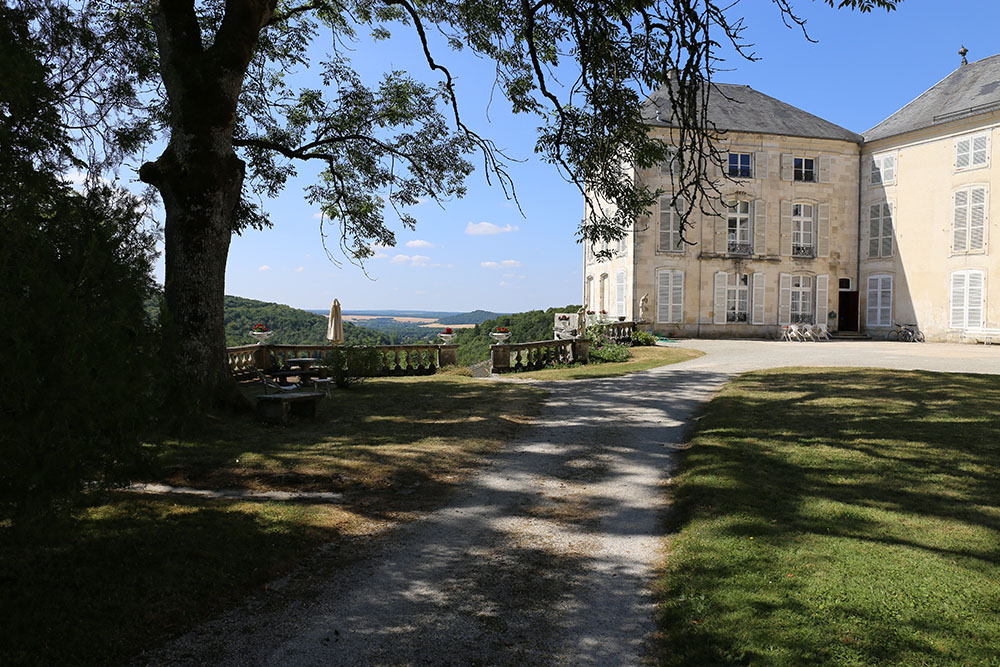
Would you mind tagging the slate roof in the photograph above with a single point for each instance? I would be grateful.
(742, 109)
(968, 91)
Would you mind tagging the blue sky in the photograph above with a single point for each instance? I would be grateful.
(480, 252)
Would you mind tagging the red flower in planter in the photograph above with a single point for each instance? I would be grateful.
(501, 330)
(447, 330)
(260, 327)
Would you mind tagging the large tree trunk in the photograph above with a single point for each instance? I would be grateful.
(200, 194)
(200, 179)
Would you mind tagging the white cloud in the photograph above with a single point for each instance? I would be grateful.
(264, 268)
(380, 255)
(318, 216)
(415, 260)
(505, 264)
(419, 243)
(300, 269)
(506, 284)
(488, 229)
(514, 276)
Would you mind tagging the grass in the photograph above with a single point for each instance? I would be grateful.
(838, 517)
(126, 571)
(643, 358)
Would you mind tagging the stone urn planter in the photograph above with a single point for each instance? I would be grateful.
(500, 336)
(261, 336)
(446, 337)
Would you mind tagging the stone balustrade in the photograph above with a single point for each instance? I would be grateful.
(539, 354)
(620, 332)
(393, 359)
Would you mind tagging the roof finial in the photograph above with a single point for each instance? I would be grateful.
(962, 52)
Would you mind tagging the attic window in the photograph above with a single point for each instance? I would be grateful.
(972, 151)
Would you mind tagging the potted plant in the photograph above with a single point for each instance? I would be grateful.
(500, 334)
(446, 335)
(261, 333)
(604, 316)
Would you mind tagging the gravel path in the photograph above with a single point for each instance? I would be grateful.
(546, 557)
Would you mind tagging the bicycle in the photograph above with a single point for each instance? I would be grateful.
(906, 333)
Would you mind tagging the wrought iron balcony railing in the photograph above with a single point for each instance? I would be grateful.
(736, 317)
(740, 248)
(803, 251)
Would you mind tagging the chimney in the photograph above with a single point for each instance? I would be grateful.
(962, 52)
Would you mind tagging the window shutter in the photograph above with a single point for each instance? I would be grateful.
(784, 298)
(974, 301)
(885, 300)
(871, 312)
(787, 166)
(666, 224)
(721, 284)
(962, 150)
(874, 229)
(960, 235)
(620, 293)
(977, 218)
(958, 284)
(677, 297)
(980, 149)
(758, 299)
(785, 228)
(874, 175)
(823, 231)
(888, 212)
(760, 227)
(822, 298)
(825, 168)
(760, 164)
(663, 288)
(721, 242)
(889, 169)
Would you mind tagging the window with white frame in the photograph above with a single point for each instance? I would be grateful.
(803, 230)
(883, 169)
(670, 296)
(739, 165)
(804, 169)
(802, 300)
(739, 228)
(969, 219)
(620, 293)
(738, 298)
(972, 151)
(671, 167)
(670, 226)
(589, 297)
(879, 312)
(968, 291)
(880, 230)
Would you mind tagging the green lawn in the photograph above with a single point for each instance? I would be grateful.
(847, 517)
(643, 358)
(127, 572)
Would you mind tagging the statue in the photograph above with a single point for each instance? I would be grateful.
(643, 307)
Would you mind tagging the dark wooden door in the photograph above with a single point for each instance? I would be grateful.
(847, 317)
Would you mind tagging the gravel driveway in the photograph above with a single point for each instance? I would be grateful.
(545, 558)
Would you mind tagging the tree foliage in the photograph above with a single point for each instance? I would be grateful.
(291, 326)
(474, 344)
(75, 385)
(219, 81)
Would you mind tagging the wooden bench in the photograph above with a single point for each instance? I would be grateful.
(278, 407)
(988, 335)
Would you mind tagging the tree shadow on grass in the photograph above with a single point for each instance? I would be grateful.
(885, 484)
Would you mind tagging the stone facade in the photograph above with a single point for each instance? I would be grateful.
(891, 226)
(734, 274)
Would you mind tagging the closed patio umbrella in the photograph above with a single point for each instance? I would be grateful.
(335, 328)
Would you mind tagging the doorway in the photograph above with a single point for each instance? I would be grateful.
(847, 312)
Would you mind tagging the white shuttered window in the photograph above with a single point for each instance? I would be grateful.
(972, 151)
(670, 296)
(969, 207)
(670, 226)
(968, 291)
(620, 294)
(880, 230)
(879, 312)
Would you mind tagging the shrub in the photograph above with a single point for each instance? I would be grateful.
(642, 339)
(352, 365)
(610, 352)
(603, 348)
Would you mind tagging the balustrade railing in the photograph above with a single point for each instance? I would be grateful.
(392, 359)
(621, 332)
(539, 354)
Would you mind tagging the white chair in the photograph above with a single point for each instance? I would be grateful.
(820, 331)
(806, 333)
(270, 384)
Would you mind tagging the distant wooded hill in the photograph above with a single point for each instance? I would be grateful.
(474, 344)
(291, 326)
(475, 317)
